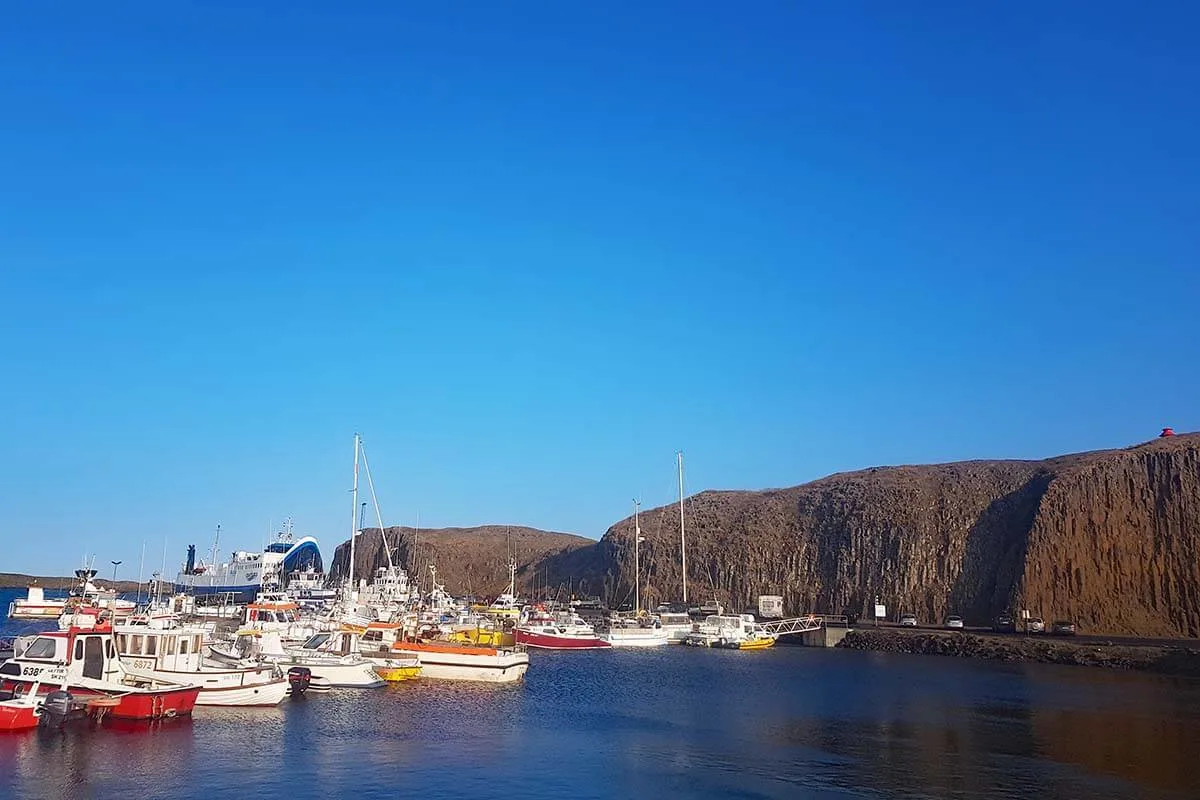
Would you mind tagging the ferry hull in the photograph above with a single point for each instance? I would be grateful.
(546, 642)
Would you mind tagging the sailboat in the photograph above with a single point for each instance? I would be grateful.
(640, 631)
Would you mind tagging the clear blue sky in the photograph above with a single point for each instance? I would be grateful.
(530, 250)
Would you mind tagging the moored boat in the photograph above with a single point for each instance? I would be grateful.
(35, 605)
(176, 654)
(564, 631)
(461, 662)
(341, 669)
(84, 662)
(733, 632)
(21, 711)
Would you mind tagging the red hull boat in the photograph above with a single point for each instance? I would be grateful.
(84, 663)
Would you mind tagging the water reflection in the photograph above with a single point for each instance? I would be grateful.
(674, 722)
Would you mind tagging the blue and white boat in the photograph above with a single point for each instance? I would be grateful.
(240, 578)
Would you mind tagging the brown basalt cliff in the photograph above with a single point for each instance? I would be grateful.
(1110, 539)
(468, 560)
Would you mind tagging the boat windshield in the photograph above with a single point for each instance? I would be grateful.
(315, 641)
(41, 647)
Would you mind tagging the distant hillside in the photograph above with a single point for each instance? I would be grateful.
(16, 579)
(1108, 538)
(468, 560)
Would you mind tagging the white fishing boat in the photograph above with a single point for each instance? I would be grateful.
(161, 650)
(340, 668)
(35, 605)
(736, 632)
(445, 660)
(676, 625)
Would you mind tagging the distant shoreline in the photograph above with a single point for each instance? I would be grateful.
(1162, 659)
(17, 580)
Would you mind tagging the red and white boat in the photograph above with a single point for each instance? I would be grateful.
(158, 649)
(563, 631)
(21, 712)
(84, 662)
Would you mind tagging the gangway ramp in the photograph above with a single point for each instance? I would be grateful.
(783, 627)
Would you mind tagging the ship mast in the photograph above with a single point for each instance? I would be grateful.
(353, 520)
(637, 568)
(682, 534)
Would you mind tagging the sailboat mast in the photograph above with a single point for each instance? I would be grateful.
(682, 534)
(353, 520)
(637, 565)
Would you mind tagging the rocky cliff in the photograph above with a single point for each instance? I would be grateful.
(1110, 539)
(468, 560)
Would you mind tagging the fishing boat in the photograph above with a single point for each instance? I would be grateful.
(644, 632)
(505, 606)
(562, 631)
(341, 668)
(734, 632)
(35, 605)
(440, 658)
(462, 662)
(84, 663)
(676, 625)
(21, 711)
(159, 650)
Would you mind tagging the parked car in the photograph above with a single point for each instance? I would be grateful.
(1035, 625)
(1004, 624)
(954, 621)
(908, 620)
(1063, 627)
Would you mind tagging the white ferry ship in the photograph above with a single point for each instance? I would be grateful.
(245, 573)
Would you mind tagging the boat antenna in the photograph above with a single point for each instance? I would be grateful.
(378, 515)
(216, 541)
(141, 567)
(353, 522)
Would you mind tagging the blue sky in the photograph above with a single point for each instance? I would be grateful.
(530, 250)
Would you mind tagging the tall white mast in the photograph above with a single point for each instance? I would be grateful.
(682, 534)
(354, 521)
(637, 566)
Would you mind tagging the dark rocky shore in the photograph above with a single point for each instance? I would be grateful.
(1044, 650)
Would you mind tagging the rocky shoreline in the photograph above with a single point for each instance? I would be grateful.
(1163, 660)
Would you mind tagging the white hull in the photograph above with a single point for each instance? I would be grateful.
(636, 638)
(500, 668)
(225, 688)
(343, 676)
(20, 609)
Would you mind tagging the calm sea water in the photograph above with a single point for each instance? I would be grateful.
(789, 722)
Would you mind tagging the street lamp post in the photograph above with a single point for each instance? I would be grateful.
(115, 565)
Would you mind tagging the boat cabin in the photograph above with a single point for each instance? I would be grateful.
(166, 649)
(59, 656)
(259, 614)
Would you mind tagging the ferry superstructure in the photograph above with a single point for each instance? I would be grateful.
(246, 573)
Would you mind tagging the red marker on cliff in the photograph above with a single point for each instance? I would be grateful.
(1166, 432)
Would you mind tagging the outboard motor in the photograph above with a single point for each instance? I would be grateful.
(57, 707)
(299, 678)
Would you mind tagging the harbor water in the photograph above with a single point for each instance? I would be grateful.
(669, 722)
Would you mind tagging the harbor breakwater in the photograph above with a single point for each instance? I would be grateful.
(1042, 650)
